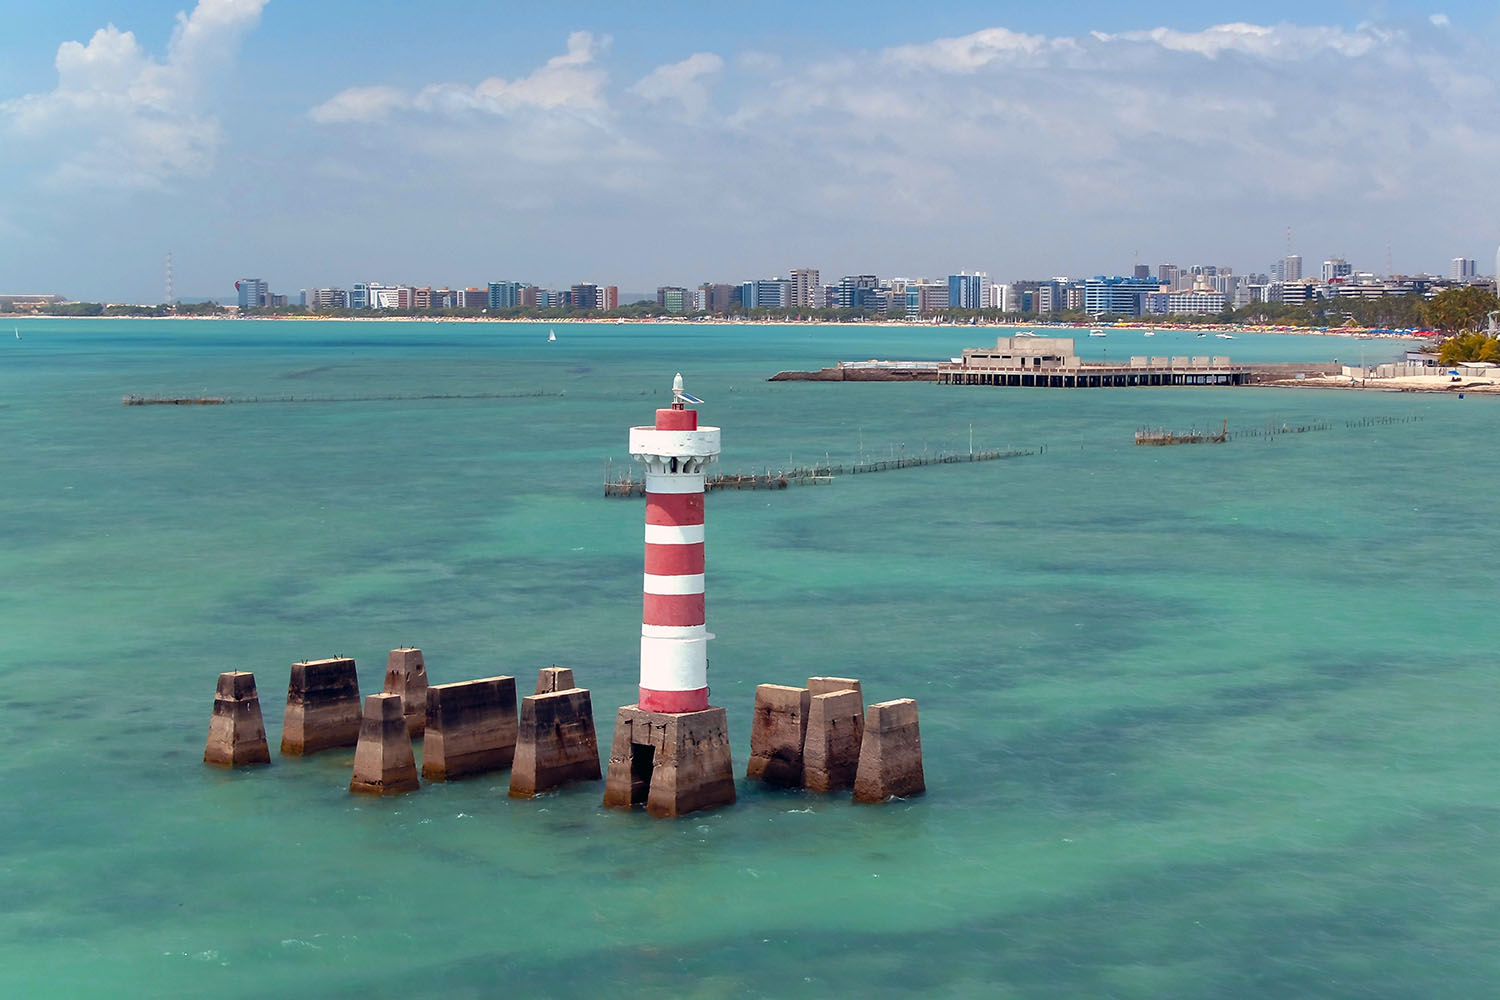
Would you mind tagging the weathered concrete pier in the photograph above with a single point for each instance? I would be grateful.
(322, 707)
(383, 760)
(406, 675)
(236, 731)
(777, 734)
(555, 743)
(822, 739)
(890, 755)
(835, 729)
(671, 749)
(673, 763)
(471, 728)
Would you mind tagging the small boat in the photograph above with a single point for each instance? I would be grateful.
(1201, 335)
(551, 336)
(1025, 333)
(1097, 333)
(1150, 333)
(1224, 336)
(18, 333)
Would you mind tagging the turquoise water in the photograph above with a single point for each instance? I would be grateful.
(1200, 721)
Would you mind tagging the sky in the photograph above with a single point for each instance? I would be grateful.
(324, 142)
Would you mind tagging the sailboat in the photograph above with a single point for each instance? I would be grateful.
(551, 336)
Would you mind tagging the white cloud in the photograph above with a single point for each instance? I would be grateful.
(976, 51)
(1440, 20)
(1275, 42)
(122, 118)
(570, 82)
(684, 82)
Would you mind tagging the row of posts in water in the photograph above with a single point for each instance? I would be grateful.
(1162, 436)
(626, 485)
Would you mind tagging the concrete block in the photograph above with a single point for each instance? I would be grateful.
(672, 763)
(777, 734)
(322, 707)
(236, 732)
(550, 679)
(383, 761)
(406, 675)
(471, 728)
(890, 755)
(828, 685)
(835, 729)
(555, 743)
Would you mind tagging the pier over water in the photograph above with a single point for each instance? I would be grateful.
(1051, 362)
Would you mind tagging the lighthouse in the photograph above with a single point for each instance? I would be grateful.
(674, 630)
(671, 748)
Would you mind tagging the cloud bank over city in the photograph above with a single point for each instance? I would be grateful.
(588, 155)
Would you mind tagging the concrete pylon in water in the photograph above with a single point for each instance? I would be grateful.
(471, 728)
(383, 761)
(550, 679)
(777, 734)
(835, 729)
(890, 755)
(322, 707)
(555, 743)
(236, 732)
(406, 675)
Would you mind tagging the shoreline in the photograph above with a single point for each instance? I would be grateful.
(1362, 333)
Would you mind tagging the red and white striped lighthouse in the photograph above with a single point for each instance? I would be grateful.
(674, 630)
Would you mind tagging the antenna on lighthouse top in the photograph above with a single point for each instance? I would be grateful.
(679, 395)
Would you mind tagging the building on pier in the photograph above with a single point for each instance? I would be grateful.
(1052, 362)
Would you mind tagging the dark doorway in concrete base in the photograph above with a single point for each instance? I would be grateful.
(642, 760)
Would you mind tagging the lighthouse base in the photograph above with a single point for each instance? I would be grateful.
(672, 763)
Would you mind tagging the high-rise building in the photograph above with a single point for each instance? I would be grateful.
(474, 298)
(323, 299)
(1167, 274)
(1335, 269)
(1117, 296)
(1142, 271)
(806, 283)
(1461, 268)
(1291, 267)
(926, 298)
(673, 299)
(768, 293)
(253, 292)
(585, 296)
(721, 298)
(503, 295)
(359, 295)
(856, 291)
(966, 291)
(611, 297)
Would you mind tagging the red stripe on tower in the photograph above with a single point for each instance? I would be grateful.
(672, 609)
(674, 508)
(673, 701)
(674, 560)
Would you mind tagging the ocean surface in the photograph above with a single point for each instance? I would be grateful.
(1214, 721)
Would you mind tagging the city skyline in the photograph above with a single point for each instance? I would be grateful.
(655, 147)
